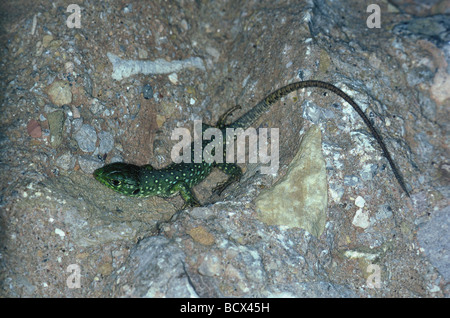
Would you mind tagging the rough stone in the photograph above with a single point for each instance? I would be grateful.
(56, 124)
(433, 238)
(299, 199)
(86, 138)
(60, 93)
(155, 268)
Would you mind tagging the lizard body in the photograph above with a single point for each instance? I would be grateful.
(144, 181)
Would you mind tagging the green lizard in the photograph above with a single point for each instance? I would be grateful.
(144, 181)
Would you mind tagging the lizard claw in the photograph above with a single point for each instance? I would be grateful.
(222, 186)
(219, 188)
(193, 202)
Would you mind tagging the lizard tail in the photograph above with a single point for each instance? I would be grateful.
(249, 117)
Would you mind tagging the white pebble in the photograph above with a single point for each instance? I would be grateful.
(361, 219)
(359, 202)
(173, 78)
(60, 232)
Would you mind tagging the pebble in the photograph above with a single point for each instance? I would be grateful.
(86, 138)
(96, 106)
(147, 91)
(106, 142)
(88, 164)
(368, 171)
(56, 124)
(173, 78)
(34, 129)
(359, 202)
(60, 93)
(76, 124)
(46, 40)
(361, 219)
(66, 161)
(210, 266)
(60, 232)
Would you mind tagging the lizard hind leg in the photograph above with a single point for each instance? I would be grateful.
(234, 172)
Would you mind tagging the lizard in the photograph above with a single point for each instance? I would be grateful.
(145, 181)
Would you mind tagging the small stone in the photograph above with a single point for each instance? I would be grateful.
(96, 106)
(76, 124)
(160, 120)
(88, 164)
(361, 219)
(69, 67)
(46, 40)
(184, 24)
(147, 91)
(105, 269)
(86, 138)
(66, 161)
(75, 112)
(60, 93)
(56, 124)
(359, 202)
(173, 78)
(142, 54)
(202, 236)
(60, 232)
(210, 266)
(106, 142)
(34, 129)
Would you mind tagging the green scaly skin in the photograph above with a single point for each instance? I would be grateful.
(145, 181)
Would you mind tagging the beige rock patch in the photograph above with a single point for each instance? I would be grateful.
(300, 198)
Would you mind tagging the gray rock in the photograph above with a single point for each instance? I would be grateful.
(66, 161)
(86, 138)
(88, 164)
(433, 238)
(147, 91)
(106, 142)
(433, 28)
(155, 268)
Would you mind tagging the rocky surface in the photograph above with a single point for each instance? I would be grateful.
(67, 109)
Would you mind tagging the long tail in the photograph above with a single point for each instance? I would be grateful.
(250, 117)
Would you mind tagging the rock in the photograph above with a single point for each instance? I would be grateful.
(56, 124)
(125, 68)
(299, 199)
(201, 235)
(46, 40)
(88, 163)
(106, 142)
(155, 268)
(60, 93)
(361, 219)
(433, 238)
(86, 138)
(34, 129)
(147, 91)
(66, 161)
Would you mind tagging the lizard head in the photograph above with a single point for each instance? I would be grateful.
(121, 177)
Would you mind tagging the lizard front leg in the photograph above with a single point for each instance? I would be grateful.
(186, 193)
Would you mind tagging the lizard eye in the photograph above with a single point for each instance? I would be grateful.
(115, 182)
